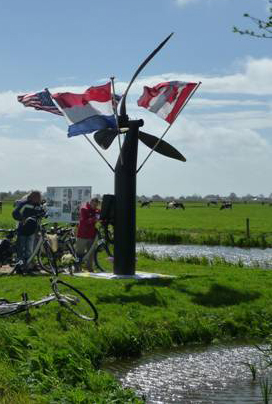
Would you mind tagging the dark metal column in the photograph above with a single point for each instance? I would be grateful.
(125, 203)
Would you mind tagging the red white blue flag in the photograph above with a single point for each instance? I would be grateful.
(167, 99)
(87, 112)
(41, 101)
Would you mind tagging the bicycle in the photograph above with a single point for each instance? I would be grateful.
(101, 249)
(63, 243)
(67, 296)
(7, 247)
(42, 251)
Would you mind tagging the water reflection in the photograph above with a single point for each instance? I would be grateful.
(212, 375)
(249, 257)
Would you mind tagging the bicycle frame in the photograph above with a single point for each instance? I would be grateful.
(36, 248)
(70, 302)
(100, 238)
(9, 308)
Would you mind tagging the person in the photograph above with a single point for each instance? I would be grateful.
(86, 232)
(26, 212)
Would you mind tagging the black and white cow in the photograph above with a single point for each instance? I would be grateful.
(226, 205)
(145, 204)
(212, 203)
(174, 205)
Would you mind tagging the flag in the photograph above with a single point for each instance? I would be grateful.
(87, 112)
(40, 101)
(166, 99)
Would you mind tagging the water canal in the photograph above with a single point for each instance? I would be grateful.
(198, 375)
(247, 256)
(194, 375)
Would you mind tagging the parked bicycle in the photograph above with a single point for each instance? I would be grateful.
(8, 247)
(42, 254)
(62, 242)
(66, 295)
(101, 249)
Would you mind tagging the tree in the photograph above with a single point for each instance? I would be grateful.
(264, 26)
(232, 196)
(156, 198)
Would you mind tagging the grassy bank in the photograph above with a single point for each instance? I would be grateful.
(54, 357)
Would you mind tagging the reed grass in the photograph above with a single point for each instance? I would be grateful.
(224, 239)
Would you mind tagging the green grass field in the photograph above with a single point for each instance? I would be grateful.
(200, 224)
(53, 357)
(197, 224)
(198, 217)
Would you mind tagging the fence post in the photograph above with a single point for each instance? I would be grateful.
(247, 228)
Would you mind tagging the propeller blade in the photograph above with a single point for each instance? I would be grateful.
(123, 112)
(105, 137)
(163, 147)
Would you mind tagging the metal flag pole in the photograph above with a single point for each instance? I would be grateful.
(167, 129)
(116, 118)
(101, 155)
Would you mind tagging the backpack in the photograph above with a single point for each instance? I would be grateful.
(29, 226)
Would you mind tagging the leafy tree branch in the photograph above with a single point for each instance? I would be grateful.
(264, 26)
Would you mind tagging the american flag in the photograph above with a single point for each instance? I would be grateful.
(40, 101)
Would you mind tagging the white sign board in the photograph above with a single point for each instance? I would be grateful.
(63, 203)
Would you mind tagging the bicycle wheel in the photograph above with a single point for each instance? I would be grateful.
(74, 300)
(46, 259)
(17, 269)
(103, 258)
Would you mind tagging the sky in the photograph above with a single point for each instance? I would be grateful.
(224, 131)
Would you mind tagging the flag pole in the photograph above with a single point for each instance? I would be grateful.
(167, 129)
(116, 118)
(101, 155)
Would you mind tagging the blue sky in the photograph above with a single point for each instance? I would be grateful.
(224, 131)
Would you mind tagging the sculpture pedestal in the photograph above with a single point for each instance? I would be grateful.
(138, 275)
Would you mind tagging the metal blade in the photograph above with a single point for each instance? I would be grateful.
(105, 137)
(123, 112)
(163, 147)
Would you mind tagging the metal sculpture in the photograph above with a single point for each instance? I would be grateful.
(125, 177)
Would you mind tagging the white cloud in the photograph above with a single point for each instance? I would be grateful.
(219, 160)
(35, 120)
(5, 128)
(223, 132)
(182, 3)
(185, 2)
(49, 158)
(254, 77)
(9, 104)
(221, 103)
(219, 157)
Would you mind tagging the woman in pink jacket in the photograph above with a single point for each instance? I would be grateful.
(86, 232)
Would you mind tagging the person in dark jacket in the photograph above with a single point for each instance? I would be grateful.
(86, 232)
(26, 212)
